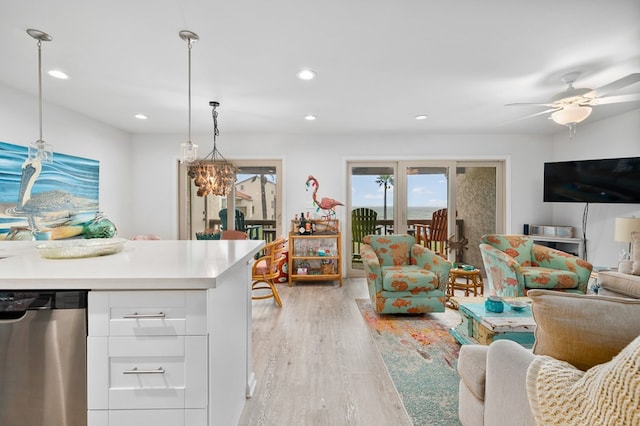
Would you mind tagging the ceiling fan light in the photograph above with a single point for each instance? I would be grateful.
(571, 114)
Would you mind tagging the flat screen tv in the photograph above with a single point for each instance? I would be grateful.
(610, 180)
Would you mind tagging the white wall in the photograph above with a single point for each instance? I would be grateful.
(138, 179)
(75, 134)
(614, 137)
(325, 156)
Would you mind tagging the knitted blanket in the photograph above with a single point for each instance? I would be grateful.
(607, 394)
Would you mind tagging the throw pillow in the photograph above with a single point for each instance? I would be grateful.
(635, 253)
(607, 394)
(583, 330)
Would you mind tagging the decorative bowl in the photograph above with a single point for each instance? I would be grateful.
(516, 305)
(70, 249)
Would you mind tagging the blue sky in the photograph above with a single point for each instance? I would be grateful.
(424, 191)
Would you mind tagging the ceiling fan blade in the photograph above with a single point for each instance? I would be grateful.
(613, 86)
(528, 104)
(533, 115)
(613, 99)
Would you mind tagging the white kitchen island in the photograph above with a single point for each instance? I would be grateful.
(169, 327)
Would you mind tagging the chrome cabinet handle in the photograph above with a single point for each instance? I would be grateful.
(135, 370)
(137, 315)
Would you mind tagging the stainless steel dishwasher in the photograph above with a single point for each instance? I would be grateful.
(43, 359)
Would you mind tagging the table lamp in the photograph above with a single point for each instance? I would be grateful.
(624, 227)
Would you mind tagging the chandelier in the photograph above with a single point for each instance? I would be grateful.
(213, 174)
(40, 149)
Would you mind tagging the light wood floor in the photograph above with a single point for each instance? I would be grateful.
(316, 363)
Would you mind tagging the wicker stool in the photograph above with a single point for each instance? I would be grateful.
(472, 281)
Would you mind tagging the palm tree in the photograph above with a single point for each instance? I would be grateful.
(387, 181)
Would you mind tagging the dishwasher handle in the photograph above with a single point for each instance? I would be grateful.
(12, 316)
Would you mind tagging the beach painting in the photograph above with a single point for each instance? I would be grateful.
(50, 201)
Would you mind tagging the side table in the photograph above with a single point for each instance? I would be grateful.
(472, 282)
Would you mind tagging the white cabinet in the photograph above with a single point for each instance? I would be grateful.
(147, 358)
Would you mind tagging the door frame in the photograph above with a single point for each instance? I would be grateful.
(501, 164)
(184, 188)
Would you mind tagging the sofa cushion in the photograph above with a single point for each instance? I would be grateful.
(583, 330)
(549, 278)
(409, 278)
(635, 253)
(619, 284)
(472, 368)
(607, 394)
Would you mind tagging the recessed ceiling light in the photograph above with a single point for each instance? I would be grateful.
(421, 117)
(307, 75)
(58, 74)
(141, 116)
(310, 117)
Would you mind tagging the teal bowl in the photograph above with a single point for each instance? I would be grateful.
(516, 305)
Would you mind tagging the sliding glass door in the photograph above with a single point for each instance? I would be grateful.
(372, 193)
(406, 194)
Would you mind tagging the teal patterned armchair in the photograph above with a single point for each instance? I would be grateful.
(514, 265)
(404, 277)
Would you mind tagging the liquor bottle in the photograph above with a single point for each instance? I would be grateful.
(302, 228)
(308, 225)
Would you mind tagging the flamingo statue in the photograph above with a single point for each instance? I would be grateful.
(326, 204)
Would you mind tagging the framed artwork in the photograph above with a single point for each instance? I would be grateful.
(53, 201)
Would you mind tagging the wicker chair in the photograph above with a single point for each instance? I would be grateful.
(265, 270)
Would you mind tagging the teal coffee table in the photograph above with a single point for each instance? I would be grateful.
(479, 326)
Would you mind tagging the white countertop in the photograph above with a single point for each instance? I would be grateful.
(141, 265)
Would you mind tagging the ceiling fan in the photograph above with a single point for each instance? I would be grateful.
(574, 104)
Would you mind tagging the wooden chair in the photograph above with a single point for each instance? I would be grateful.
(231, 234)
(422, 234)
(438, 230)
(239, 220)
(240, 225)
(265, 270)
(363, 223)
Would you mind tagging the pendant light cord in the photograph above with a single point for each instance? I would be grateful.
(40, 89)
(189, 55)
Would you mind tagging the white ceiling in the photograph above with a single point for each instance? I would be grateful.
(379, 63)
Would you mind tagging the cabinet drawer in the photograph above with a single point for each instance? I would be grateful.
(157, 313)
(197, 417)
(147, 372)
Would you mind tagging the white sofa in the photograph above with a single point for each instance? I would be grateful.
(625, 282)
(493, 384)
(493, 379)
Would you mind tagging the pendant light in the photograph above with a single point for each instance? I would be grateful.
(213, 174)
(189, 149)
(39, 149)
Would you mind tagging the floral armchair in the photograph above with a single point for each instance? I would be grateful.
(404, 277)
(514, 264)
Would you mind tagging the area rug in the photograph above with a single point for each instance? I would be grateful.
(421, 358)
